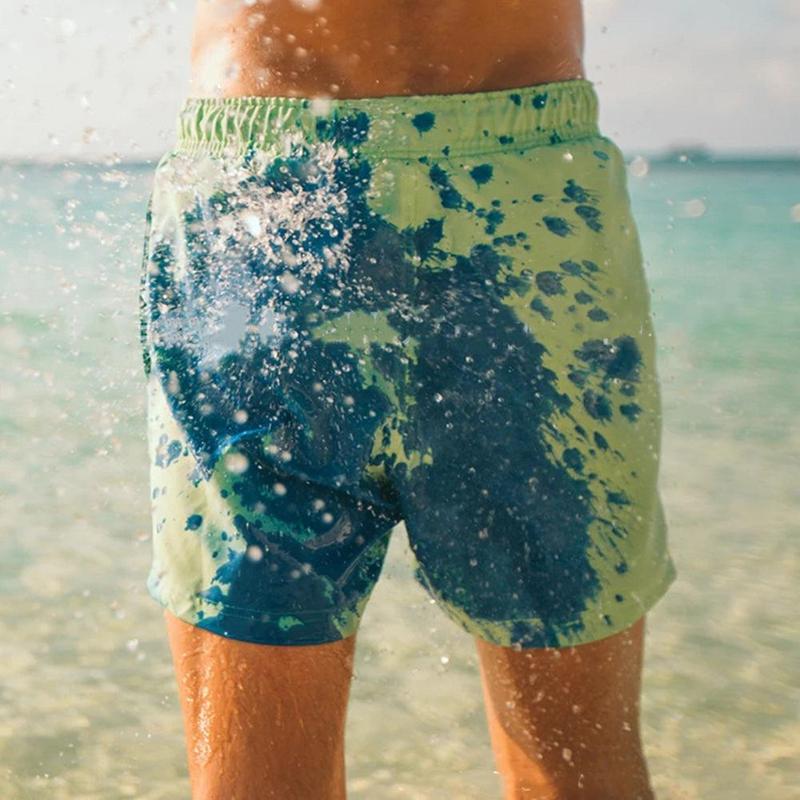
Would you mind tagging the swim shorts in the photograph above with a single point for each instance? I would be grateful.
(428, 309)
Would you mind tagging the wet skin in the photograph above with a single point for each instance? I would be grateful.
(363, 48)
(268, 721)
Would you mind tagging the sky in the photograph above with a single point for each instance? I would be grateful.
(100, 79)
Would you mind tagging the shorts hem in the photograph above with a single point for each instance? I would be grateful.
(259, 626)
(530, 633)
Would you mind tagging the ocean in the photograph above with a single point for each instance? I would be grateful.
(89, 706)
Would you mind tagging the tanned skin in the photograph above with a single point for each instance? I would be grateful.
(268, 721)
(363, 48)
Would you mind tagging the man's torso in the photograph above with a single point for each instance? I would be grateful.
(362, 48)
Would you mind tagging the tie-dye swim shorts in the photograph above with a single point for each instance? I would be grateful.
(428, 309)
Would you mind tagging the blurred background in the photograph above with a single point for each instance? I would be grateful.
(705, 101)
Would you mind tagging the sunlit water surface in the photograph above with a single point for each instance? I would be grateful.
(89, 708)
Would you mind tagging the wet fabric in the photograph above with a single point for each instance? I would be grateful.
(428, 309)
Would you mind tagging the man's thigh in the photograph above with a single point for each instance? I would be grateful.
(568, 718)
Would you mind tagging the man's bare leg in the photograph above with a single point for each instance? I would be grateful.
(564, 723)
(262, 721)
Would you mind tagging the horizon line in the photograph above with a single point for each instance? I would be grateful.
(696, 154)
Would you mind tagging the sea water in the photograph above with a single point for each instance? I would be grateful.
(89, 707)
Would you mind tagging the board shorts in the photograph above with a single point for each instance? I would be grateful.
(427, 309)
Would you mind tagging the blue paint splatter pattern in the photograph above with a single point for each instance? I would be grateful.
(337, 340)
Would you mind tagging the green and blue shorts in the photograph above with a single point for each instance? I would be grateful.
(428, 309)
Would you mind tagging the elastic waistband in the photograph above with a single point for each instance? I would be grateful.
(402, 125)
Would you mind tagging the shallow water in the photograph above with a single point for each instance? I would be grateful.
(89, 708)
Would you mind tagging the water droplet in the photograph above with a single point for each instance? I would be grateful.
(236, 463)
(68, 27)
(321, 106)
(437, 398)
(173, 383)
(567, 754)
(693, 209)
(639, 167)
(252, 224)
(254, 552)
(289, 283)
